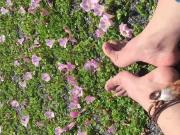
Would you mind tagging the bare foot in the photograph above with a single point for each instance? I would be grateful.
(156, 45)
(139, 88)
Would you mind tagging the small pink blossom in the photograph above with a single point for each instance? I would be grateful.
(82, 133)
(88, 5)
(77, 91)
(4, 11)
(50, 42)
(46, 77)
(20, 41)
(111, 129)
(125, 31)
(105, 22)
(91, 65)
(99, 33)
(22, 11)
(25, 120)
(14, 104)
(89, 99)
(36, 60)
(63, 42)
(71, 80)
(49, 114)
(66, 67)
(74, 105)
(9, 3)
(2, 38)
(74, 114)
(69, 126)
(27, 76)
(16, 63)
(70, 66)
(98, 9)
(59, 131)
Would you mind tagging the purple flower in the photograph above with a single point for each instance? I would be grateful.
(2, 38)
(9, 3)
(22, 11)
(59, 131)
(36, 60)
(14, 104)
(66, 67)
(77, 91)
(49, 114)
(74, 114)
(27, 76)
(91, 65)
(105, 22)
(63, 42)
(74, 105)
(46, 77)
(98, 9)
(71, 80)
(99, 33)
(88, 5)
(49, 42)
(20, 41)
(70, 67)
(4, 11)
(89, 99)
(125, 31)
(25, 120)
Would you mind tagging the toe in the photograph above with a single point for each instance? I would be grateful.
(120, 93)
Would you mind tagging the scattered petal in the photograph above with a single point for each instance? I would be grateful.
(25, 120)
(27, 76)
(20, 41)
(22, 11)
(91, 65)
(46, 77)
(16, 63)
(74, 105)
(66, 67)
(111, 129)
(4, 11)
(89, 99)
(125, 31)
(99, 33)
(69, 126)
(105, 22)
(49, 42)
(71, 80)
(74, 115)
(14, 104)
(33, 6)
(88, 5)
(98, 9)
(77, 91)
(63, 42)
(36, 60)
(2, 38)
(49, 114)
(59, 131)
(82, 133)
(9, 3)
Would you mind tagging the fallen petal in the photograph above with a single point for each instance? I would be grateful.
(46, 77)
(25, 120)
(74, 114)
(89, 99)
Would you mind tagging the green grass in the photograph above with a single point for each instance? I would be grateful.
(128, 116)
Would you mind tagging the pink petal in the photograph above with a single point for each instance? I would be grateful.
(4, 11)
(111, 129)
(74, 114)
(91, 65)
(70, 126)
(82, 133)
(98, 10)
(88, 5)
(77, 91)
(20, 41)
(46, 77)
(16, 63)
(99, 33)
(14, 104)
(22, 84)
(49, 42)
(49, 114)
(25, 120)
(36, 60)
(9, 3)
(66, 67)
(70, 66)
(27, 76)
(89, 99)
(71, 80)
(125, 31)
(59, 131)
(2, 38)
(74, 105)
(63, 42)
(105, 22)
(22, 10)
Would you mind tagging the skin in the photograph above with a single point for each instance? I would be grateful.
(156, 45)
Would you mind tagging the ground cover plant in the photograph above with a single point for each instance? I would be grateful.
(53, 70)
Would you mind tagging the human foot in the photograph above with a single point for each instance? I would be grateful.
(156, 45)
(139, 88)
